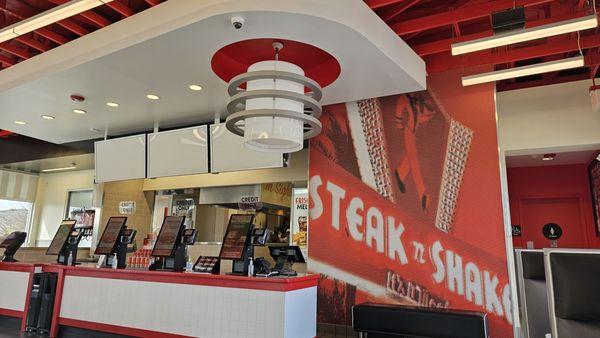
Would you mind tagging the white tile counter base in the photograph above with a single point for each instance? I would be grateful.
(13, 290)
(191, 310)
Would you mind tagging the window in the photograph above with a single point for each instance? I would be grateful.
(79, 201)
(79, 208)
(14, 216)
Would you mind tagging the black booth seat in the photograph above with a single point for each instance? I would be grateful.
(574, 291)
(533, 295)
(393, 321)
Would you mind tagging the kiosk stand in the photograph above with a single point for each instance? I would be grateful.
(115, 240)
(171, 245)
(65, 243)
(127, 238)
(11, 244)
(236, 243)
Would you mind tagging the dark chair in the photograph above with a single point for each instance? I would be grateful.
(573, 278)
(533, 296)
(393, 321)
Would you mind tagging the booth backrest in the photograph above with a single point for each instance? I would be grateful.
(533, 296)
(383, 321)
(574, 292)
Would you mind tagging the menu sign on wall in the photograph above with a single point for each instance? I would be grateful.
(165, 243)
(236, 236)
(300, 219)
(111, 234)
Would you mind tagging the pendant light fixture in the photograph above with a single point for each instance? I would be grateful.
(274, 113)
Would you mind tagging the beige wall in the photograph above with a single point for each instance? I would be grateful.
(555, 118)
(51, 202)
(132, 190)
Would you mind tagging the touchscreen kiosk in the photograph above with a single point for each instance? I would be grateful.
(65, 242)
(236, 243)
(111, 243)
(171, 244)
(11, 244)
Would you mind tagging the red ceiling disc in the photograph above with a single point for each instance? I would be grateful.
(234, 59)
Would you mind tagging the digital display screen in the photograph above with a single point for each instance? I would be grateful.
(236, 236)
(167, 238)
(59, 240)
(110, 236)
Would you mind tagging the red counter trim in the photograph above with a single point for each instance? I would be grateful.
(26, 309)
(239, 282)
(11, 313)
(19, 267)
(126, 331)
(57, 301)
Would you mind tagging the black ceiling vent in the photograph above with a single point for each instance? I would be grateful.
(508, 20)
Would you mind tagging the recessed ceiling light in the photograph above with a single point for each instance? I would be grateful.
(79, 111)
(196, 87)
(22, 123)
(153, 97)
(112, 104)
(48, 117)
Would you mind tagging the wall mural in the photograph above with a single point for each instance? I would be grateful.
(405, 205)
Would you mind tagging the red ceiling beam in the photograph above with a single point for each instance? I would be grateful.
(9, 48)
(27, 41)
(445, 45)
(458, 15)
(45, 32)
(380, 3)
(29, 11)
(592, 60)
(398, 9)
(7, 61)
(93, 17)
(121, 8)
(153, 2)
(487, 58)
(506, 86)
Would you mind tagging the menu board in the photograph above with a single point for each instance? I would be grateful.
(167, 238)
(59, 240)
(110, 236)
(236, 236)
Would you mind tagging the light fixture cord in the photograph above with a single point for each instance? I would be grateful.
(579, 43)
(274, 80)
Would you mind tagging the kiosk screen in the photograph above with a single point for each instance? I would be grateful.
(60, 239)
(110, 236)
(236, 236)
(168, 236)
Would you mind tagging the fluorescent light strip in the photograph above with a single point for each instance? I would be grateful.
(539, 68)
(48, 17)
(528, 34)
(59, 169)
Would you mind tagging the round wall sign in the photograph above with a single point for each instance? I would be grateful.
(552, 231)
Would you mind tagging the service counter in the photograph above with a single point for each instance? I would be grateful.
(154, 303)
(15, 283)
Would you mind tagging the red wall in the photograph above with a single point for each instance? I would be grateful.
(553, 182)
(373, 236)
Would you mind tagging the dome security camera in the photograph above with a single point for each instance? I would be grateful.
(237, 22)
